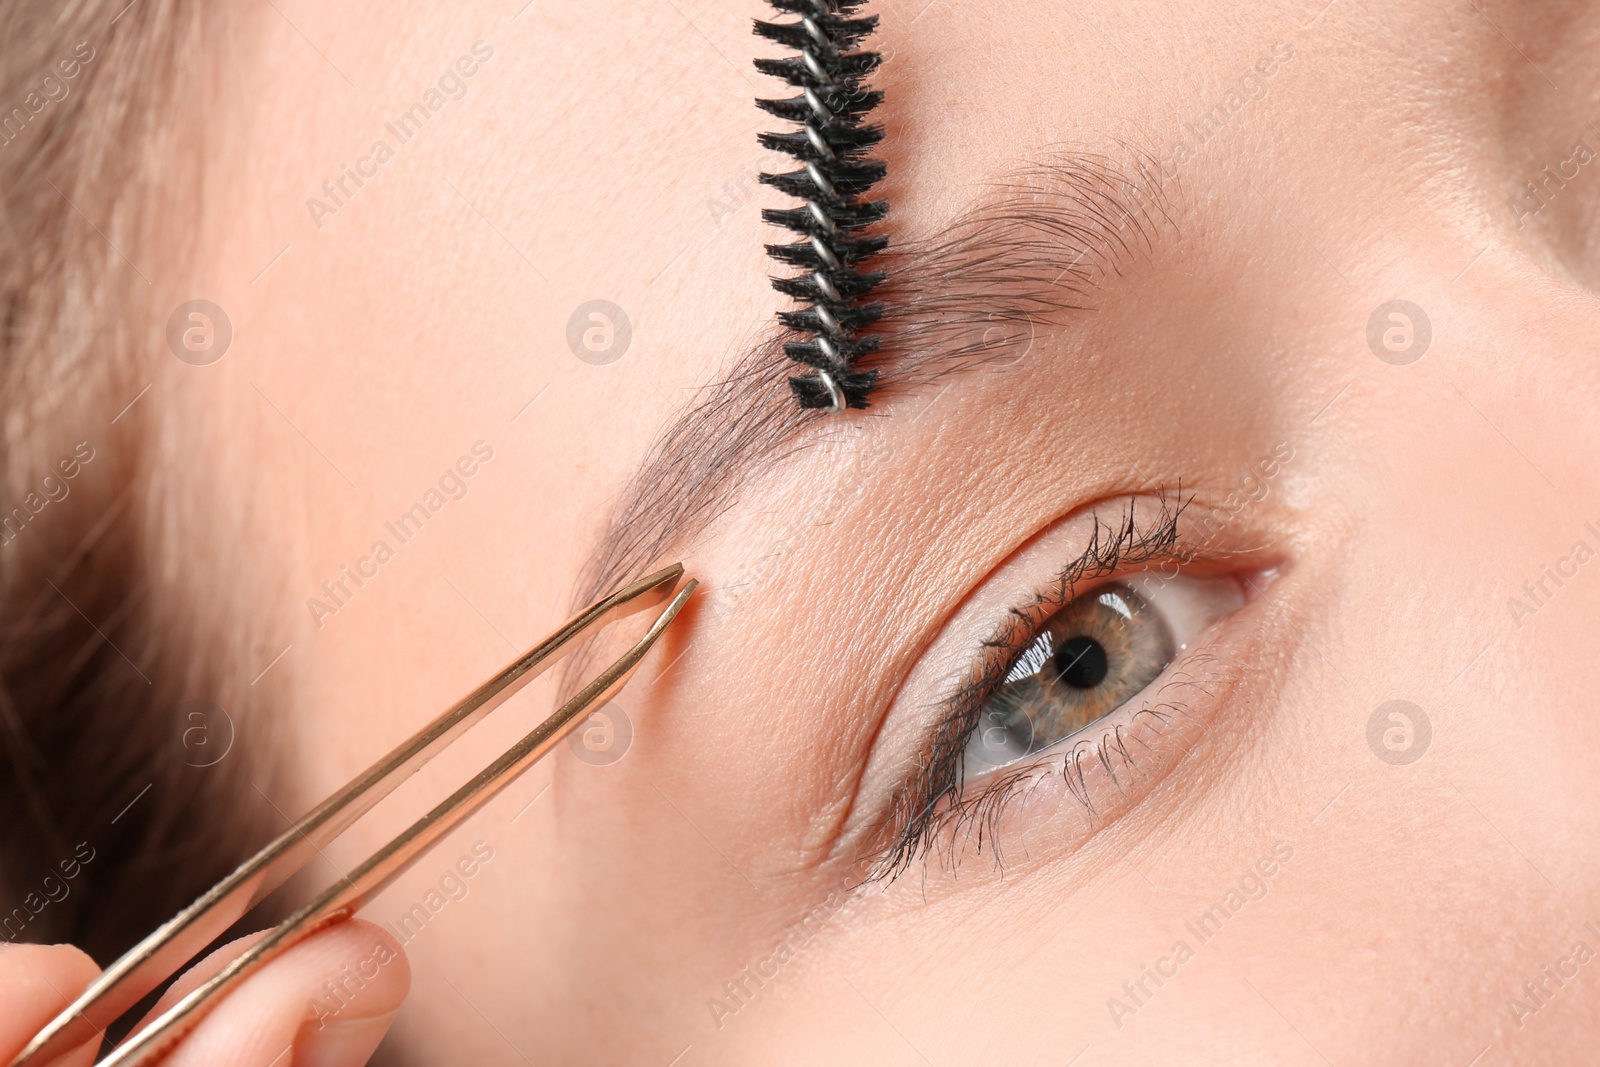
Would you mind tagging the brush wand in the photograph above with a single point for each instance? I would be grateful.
(836, 173)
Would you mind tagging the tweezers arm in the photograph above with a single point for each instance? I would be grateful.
(159, 956)
(343, 899)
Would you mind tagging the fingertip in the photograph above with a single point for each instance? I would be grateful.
(359, 999)
(367, 973)
(37, 982)
(331, 998)
(64, 967)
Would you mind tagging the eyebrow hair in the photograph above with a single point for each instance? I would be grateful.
(1030, 251)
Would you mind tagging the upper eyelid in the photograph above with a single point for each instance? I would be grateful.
(1095, 564)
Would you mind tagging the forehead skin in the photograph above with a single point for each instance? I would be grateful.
(607, 151)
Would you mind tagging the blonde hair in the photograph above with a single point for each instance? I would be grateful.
(98, 656)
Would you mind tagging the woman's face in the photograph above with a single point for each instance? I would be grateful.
(1269, 327)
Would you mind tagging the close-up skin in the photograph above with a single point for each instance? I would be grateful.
(1184, 657)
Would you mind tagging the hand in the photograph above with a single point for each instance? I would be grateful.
(331, 999)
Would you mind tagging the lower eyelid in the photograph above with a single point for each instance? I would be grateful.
(1105, 754)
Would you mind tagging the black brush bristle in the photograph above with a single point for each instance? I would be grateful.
(834, 177)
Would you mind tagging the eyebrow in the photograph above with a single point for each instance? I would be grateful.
(1030, 251)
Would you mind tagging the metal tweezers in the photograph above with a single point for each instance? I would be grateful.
(155, 959)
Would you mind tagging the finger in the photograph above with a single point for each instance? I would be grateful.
(329, 999)
(36, 982)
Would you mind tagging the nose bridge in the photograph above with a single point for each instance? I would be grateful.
(1519, 320)
(1484, 389)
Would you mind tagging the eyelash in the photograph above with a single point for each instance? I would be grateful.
(926, 808)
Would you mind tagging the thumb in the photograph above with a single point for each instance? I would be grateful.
(36, 982)
(330, 999)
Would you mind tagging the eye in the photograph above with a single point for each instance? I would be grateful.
(1086, 689)
(1090, 658)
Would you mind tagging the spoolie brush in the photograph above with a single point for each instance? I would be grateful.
(835, 175)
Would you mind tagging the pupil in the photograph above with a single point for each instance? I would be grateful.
(1081, 662)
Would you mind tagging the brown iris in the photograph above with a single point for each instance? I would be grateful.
(1088, 659)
